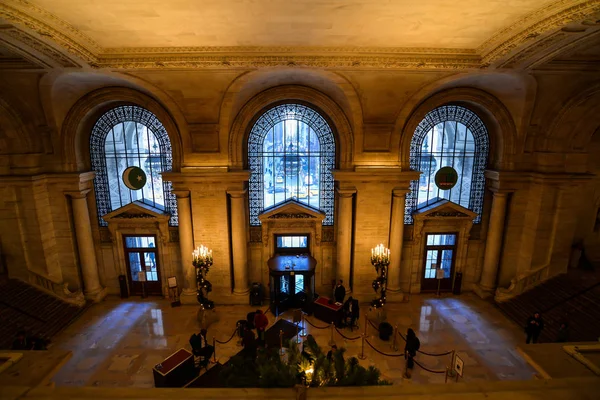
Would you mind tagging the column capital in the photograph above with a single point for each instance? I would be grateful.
(236, 194)
(400, 192)
(181, 193)
(78, 194)
(346, 192)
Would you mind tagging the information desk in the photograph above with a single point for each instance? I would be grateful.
(328, 312)
(177, 370)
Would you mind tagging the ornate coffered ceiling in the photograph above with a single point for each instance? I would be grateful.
(403, 34)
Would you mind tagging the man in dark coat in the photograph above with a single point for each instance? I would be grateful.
(351, 310)
(249, 343)
(340, 292)
(534, 327)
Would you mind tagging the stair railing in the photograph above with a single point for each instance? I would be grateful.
(522, 283)
(56, 288)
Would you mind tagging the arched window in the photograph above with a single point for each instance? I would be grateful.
(449, 136)
(291, 153)
(124, 137)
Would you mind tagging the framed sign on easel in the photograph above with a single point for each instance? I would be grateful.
(173, 291)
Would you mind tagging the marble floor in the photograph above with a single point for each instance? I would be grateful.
(117, 342)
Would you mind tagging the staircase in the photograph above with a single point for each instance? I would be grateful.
(571, 297)
(24, 307)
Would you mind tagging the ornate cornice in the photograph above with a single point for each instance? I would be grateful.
(533, 25)
(541, 21)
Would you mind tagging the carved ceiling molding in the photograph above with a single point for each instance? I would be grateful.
(34, 43)
(551, 17)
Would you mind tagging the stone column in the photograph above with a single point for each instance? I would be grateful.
(186, 246)
(396, 239)
(239, 241)
(85, 243)
(344, 236)
(493, 246)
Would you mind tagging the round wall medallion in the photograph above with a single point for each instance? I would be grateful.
(134, 178)
(446, 178)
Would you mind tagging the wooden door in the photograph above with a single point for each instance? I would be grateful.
(440, 253)
(143, 268)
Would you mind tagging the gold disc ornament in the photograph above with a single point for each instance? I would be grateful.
(134, 178)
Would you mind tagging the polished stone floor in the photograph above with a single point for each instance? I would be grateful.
(117, 342)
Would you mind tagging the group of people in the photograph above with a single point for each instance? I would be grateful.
(251, 342)
(24, 342)
(535, 325)
(350, 307)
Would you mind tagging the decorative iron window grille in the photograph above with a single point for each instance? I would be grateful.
(128, 136)
(291, 153)
(448, 136)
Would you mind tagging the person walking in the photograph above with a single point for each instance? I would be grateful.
(534, 327)
(260, 323)
(410, 351)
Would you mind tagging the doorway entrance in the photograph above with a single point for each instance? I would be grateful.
(142, 265)
(440, 254)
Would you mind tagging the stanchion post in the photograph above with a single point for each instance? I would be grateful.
(362, 351)
(214, 350)
(446, 378)
(303, 334)
(298, 332)
(366, 322)
(281, 342)
(331, 341)
(394, 346)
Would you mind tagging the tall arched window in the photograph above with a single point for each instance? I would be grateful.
(449, 136)
(130, 136)
(291, 153)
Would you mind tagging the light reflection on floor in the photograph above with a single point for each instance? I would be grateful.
(116, 343)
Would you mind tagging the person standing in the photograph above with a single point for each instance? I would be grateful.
(534, 327)
(249, 343)
(340, 292)
(563, 333)
(410, 351)
(351, 311)
(260, 323)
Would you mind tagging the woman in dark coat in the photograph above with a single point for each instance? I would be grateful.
(410, 351)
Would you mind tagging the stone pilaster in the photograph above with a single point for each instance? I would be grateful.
(493, 246)
(396, 239)
(186, 246)
(239, 241)
(344, 236)
(93, 290)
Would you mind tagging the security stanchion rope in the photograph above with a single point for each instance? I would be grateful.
(381, 352)
(424, 352)
(229, 340)
(373, 325)
(429, 370)
(315, 326)
(346, 337)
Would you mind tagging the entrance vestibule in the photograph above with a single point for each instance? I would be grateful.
(142, 265)
(440, 253)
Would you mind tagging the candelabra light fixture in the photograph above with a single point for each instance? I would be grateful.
(202, 259)
(380, 259)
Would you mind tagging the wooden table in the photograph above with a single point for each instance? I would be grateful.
(177, 370)
(327, 312)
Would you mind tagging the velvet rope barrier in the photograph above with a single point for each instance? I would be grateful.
(381, 352)
(429, 370)
(315, 326)
(346, 337)
(373, 325)
(232, 335)
(428, 354)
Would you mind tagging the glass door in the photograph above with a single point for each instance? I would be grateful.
(440, 250)
(142, 265)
